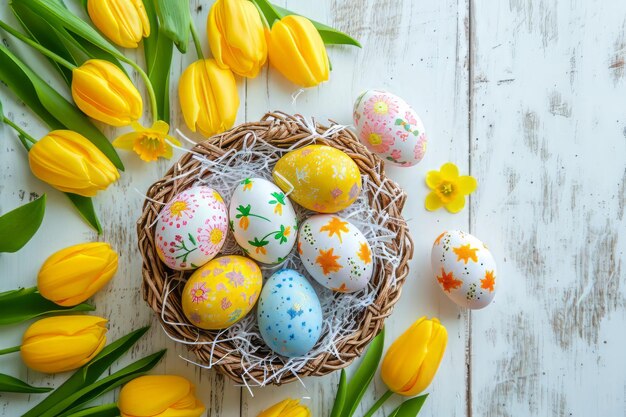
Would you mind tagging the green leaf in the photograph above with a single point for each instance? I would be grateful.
(175, 21)
(89, 373)
(363, 375)
(84, 205)
(26, 303)
(269, 11)
(18, 226)
(158, 49)
(329, 35)
(77, 400)
(1, 114)
(340, 399)
(409, 408)
(106, 410)
(12, 384)
(49, 105)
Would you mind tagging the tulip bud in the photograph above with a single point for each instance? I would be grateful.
(286, 408)
(412, 360)
(208, 97)
(297, 50)
(62, 343)
(159, 395)
(236, 36)
(70, 163)
(102, 91)
(72, 275)
(124, 22)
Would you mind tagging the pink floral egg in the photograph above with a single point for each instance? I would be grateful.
(191, 228)
(389, 127)
(222, 292)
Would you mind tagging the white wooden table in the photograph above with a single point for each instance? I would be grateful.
(529, 96)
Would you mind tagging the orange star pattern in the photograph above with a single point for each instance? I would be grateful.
(335, 227)
(300, 247)
(465, 253)
(438, 240)
(328, 261)
(448, 281)
(343, 288)
(365, 254)
(488, 282)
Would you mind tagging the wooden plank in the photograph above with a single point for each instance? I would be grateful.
(548, 151)
(417, 50)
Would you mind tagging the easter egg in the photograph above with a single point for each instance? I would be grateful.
(222, 292)
(191, 228)
(262, 220)
(319, 177)
(335, 253)
(389, 127)
(289, 314)
(464, 269)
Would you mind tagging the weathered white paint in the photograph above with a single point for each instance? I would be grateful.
(528, 96)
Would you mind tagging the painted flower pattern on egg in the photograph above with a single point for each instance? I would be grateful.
(335, 253)
(464, 269)
(221, 292)
(389, 127)
(191, 228)
(289, 314)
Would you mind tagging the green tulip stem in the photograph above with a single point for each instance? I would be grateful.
(19, 130)
(379, 403)
(56, 58)
(196, 40)
(10, 350)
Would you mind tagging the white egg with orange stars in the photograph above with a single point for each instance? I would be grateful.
(464, 269)
(335, 253)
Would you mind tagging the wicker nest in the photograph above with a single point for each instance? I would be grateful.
(282, 131)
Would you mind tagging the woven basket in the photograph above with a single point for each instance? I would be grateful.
(282, 131)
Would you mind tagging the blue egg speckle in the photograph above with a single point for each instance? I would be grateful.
(290, 318)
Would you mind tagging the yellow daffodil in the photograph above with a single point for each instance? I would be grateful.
(297, 51)
(412, 360)
(448, 188)
(286, 408)
(150, 143)
(159, 396)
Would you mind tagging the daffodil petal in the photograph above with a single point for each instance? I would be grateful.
(126, 141)
(456, 204)
(466, 184)
(433, 179)
(161, 127)
(449, 171)
(433, 202)
(173, 140)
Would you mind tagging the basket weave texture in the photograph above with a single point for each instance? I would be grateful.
(283, 131)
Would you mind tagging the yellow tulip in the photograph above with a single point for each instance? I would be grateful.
(69, 162)
(297, 50)
(124, 22)
(412, 360)
(286, 408)
(72, 275)
(236, 36)
(102, 91)
(208, 97)
(62, 343)
(159, 395)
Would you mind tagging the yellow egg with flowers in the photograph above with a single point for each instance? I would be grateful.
(222, 292)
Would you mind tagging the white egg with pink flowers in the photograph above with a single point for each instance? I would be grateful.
(389, 127)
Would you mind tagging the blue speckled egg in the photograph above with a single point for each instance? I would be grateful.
(289, 314)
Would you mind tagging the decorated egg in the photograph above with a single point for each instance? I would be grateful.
(464, 269)
(191, 228)
(222, 292)
(262, 220)
(289, 314)
(389, 127)
(319, 177)
(335, 253)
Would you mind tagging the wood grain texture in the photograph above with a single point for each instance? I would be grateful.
(527, 96)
